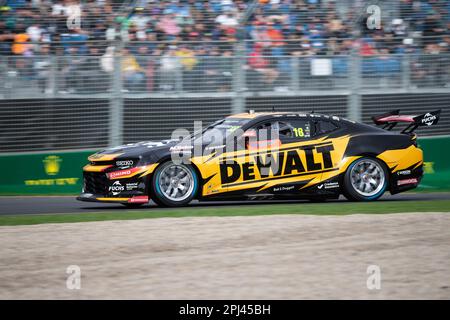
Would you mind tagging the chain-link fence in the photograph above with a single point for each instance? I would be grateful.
(89, 101)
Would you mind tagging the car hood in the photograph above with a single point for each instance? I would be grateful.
(133, 150)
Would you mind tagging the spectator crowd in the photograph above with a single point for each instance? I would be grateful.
(199, 36)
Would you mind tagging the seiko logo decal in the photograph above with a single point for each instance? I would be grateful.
(404, 172)
(124, 163)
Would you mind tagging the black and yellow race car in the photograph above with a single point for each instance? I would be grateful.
(273, 155)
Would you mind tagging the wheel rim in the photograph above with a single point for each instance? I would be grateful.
(367, 177)
(176, 182)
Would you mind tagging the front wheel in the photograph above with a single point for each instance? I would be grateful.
(366, 179)
(174, 184)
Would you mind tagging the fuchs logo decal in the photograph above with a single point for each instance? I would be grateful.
(428, 119)
(116, 188)
(278, 164)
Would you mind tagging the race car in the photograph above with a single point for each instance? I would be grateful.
(274, 155)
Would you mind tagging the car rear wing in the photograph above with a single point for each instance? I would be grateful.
(390, 119)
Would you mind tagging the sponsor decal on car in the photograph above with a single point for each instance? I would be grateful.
(328, 185)
(278, 164)
(124, 163)
(331, 185)
(181, 148)
(118, 174)
(116, 188)
(407, 181)
(404, 172)
(138, 199)
(428, 119)
(123, 173)
(283, 188)
(131, 186)
(215, 147)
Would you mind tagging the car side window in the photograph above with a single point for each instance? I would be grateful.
(324, 126)
(297, 129)
(287, 129)
(264, 130)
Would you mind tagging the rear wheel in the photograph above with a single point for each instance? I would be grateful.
(366, 179)
(174, 184)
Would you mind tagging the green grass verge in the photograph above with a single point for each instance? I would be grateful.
(244, 210)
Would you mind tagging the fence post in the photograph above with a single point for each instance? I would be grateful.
(116, 102)
(238, 104)
(354, 101)
(51, 86)
(178, 75)
(295, 73)
(406, 71)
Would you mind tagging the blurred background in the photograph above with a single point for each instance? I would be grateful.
(94, 73)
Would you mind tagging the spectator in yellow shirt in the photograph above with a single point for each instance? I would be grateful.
(132, 72)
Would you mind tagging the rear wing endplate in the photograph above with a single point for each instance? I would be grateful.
(390, 119)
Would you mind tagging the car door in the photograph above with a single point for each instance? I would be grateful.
(310, 149)
(276, 158)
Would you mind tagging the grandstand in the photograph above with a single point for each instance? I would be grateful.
(147, 59)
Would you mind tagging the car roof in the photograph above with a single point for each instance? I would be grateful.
(265, 115)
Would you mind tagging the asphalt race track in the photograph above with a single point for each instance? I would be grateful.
(68, 204)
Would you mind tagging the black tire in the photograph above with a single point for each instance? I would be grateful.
(356, 181)
(162, 196)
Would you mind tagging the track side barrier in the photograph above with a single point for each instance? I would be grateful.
(52, 173)
(59, 173)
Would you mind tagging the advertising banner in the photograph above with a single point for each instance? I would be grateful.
(43, 173)
(57, 173)
(436, 151)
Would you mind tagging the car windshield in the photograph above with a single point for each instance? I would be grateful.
(220, 129)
